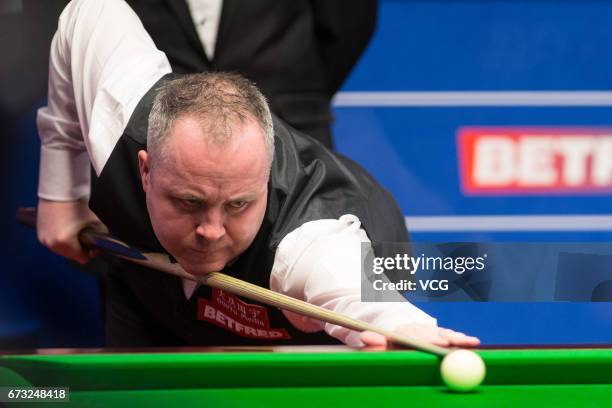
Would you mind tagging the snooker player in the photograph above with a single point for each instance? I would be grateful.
(197, 167)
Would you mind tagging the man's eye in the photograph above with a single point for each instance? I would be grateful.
(192, 202)
(188, 203)
(238, 204)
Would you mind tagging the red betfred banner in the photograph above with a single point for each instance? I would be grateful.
(535, 160)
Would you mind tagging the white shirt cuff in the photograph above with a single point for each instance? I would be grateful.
(64, 174)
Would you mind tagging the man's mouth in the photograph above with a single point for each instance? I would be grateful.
(207, 251)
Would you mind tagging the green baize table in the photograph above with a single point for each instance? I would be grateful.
(311, 377)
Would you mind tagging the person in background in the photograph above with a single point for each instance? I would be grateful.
(297, 52)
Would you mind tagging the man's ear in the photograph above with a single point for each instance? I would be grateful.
(145, 169)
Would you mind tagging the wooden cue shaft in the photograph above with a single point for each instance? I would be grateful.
(162, 263)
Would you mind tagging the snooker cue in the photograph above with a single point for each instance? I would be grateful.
(161, 262)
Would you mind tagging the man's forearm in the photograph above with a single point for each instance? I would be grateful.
(320, 263)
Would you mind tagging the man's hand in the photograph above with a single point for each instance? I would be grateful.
(58, 224)
(432, 334)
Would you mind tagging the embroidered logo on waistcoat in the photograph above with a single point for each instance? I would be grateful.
(232, 314)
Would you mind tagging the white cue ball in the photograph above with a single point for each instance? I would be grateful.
(462, 370)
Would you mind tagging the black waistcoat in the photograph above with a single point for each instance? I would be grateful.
(307, 182)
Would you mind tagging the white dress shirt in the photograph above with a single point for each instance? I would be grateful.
(206, 15)
(102, 62)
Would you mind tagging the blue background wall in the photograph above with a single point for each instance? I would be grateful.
(466, 46)
(419, 46)
(43, 301)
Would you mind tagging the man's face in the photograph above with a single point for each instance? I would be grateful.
(207, 201)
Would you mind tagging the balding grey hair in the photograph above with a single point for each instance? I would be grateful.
(218, 100)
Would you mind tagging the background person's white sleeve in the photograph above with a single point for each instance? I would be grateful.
(102, 61)
(319, 262)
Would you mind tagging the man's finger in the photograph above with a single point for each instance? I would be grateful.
(373, 339)
(460, 339)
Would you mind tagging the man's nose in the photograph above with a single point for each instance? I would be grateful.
(211, 226)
